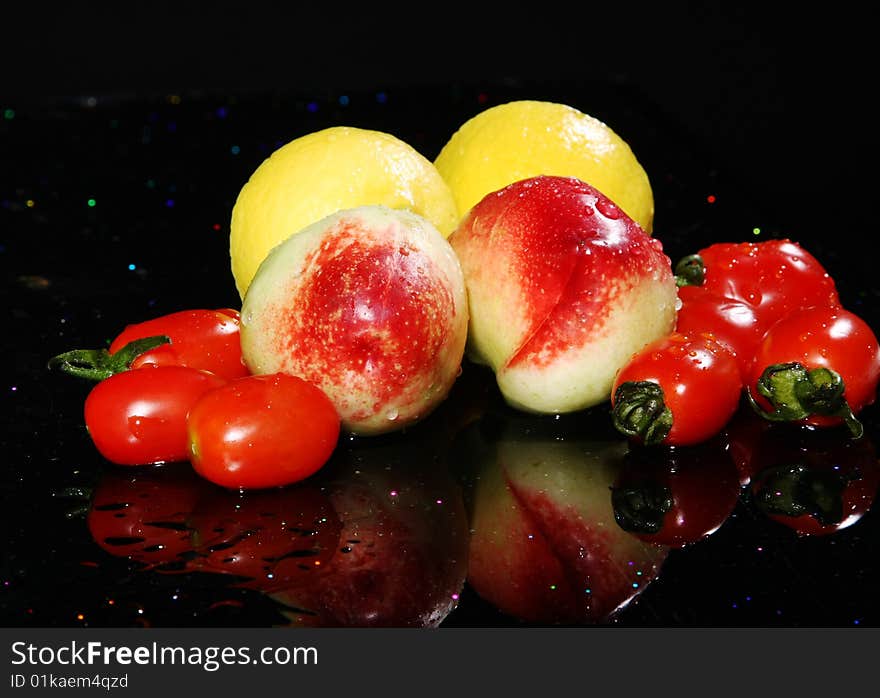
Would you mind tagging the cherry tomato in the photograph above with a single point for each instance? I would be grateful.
(275, 539)
(675, 497)
(206, 339)
(814, 481)
(776, 277)
(142, 514)
(262, 431)
(734, 323)
(679, 390)
(203, 339)
(817, 366)
(138, 416)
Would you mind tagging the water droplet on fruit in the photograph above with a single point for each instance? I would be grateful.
(391, 415)
(608, 209)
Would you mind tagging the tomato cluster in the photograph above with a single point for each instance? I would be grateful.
(762, 320)
(175, 388)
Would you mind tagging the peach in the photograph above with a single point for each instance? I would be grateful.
(563, 288)
(369, 304)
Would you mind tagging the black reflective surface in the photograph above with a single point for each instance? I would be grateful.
(117, 210)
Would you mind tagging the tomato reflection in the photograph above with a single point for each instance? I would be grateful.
(815, 481)
(675, 496)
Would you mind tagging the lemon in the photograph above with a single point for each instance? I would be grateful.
(526, 138)
(326, 171)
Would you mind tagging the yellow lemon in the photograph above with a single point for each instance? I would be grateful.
(526, 138)
(326, 171)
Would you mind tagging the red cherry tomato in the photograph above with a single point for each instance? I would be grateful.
(205, 339)
(675, 497)
(262, 431)
(732, 322)
(817, 366)
(679, 390)
(776, 277)
(138, 416)
(814, 481)
(142, 514)
(276, 539)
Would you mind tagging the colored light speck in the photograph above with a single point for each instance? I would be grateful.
(14, 389)
(635, 585)
(552, 587)
(91, 203)
(131, 267)
(312, 107)
(857, 622)
(382, 97)
(9, 114)
(235, 150)
(110, 602)
(222, 112)
(756, 231)
(80, 616)
(393, 493)
(588, 591)
(29, 203)
(710, 199)
(216, 226)
(733, 605)
(630, 563)
(455, 597)
(169, 203)
(140, 611)
(344, 100)
(439, 501)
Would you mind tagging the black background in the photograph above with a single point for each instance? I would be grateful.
(780, 92)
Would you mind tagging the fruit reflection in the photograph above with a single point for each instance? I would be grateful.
(143, 513)
(380, 539)
(675, 496)
(544, 546)
(815, 481)
(402, 553)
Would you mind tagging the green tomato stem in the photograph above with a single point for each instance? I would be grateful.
(98, 364)
(796, 392)
(690, 271)
(639, 411)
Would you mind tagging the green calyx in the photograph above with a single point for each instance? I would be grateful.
(641, 508)
(796, 392)
(795, 490)
(98, 364)
(639, 411)
(690, 271)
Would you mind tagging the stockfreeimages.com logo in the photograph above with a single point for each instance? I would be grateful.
(208, 658)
